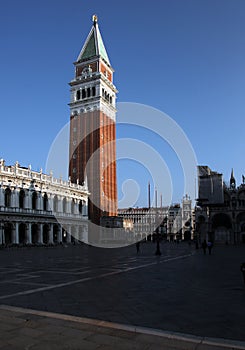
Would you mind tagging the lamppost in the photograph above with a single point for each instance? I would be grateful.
(158, 252)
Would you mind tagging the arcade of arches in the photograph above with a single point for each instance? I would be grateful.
(32, 233)
(36, 208)
(221, 227)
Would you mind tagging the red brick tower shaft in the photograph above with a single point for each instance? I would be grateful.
(92, 127)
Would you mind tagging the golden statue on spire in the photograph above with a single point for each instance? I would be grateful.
(95, 19)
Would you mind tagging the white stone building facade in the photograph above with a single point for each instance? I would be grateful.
(37, 209)
(174, 222)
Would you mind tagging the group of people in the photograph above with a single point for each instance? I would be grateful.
(206, 245)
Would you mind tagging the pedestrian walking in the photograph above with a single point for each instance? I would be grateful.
(204, 246)
(210, 245)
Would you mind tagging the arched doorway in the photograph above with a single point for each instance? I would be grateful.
(187, 235)
(34, 233)
(22, 233)
(45, 234)
(8, 227)
(55, 233)
(221, 228)
(64, 235)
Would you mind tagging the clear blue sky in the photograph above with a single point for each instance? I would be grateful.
(183, 57)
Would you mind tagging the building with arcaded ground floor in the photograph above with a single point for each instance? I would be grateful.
(38, 209)
(220, 211)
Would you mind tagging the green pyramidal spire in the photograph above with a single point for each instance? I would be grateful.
(94, 45)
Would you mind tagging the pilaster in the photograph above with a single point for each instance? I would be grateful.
(28, 200)
(39, 201)
(15, 198)
(15, 233)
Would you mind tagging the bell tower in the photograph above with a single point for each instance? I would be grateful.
(92, 152)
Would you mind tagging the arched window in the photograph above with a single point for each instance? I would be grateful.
(78, 95)
(7, 197)
(88, 92)
(55, 204)
(45, 201)
(83, 93)
(34, 200)
(93, 90)
(22, 199)
(64, 205)
(110, 99)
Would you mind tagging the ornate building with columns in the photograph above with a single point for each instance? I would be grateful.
(37, 209)
(220, 211)
(174, 222)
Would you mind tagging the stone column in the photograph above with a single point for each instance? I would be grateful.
(1, 197)
(76, 232)
(51, 234)
(25, 204)
(40, 233)
(68, 205)
(85, 209)
(39, 201)
(68, 234)
(13, 198)
(28, 233)
(51, 202)
(76, 206)
(17, 233)
(60, 204)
